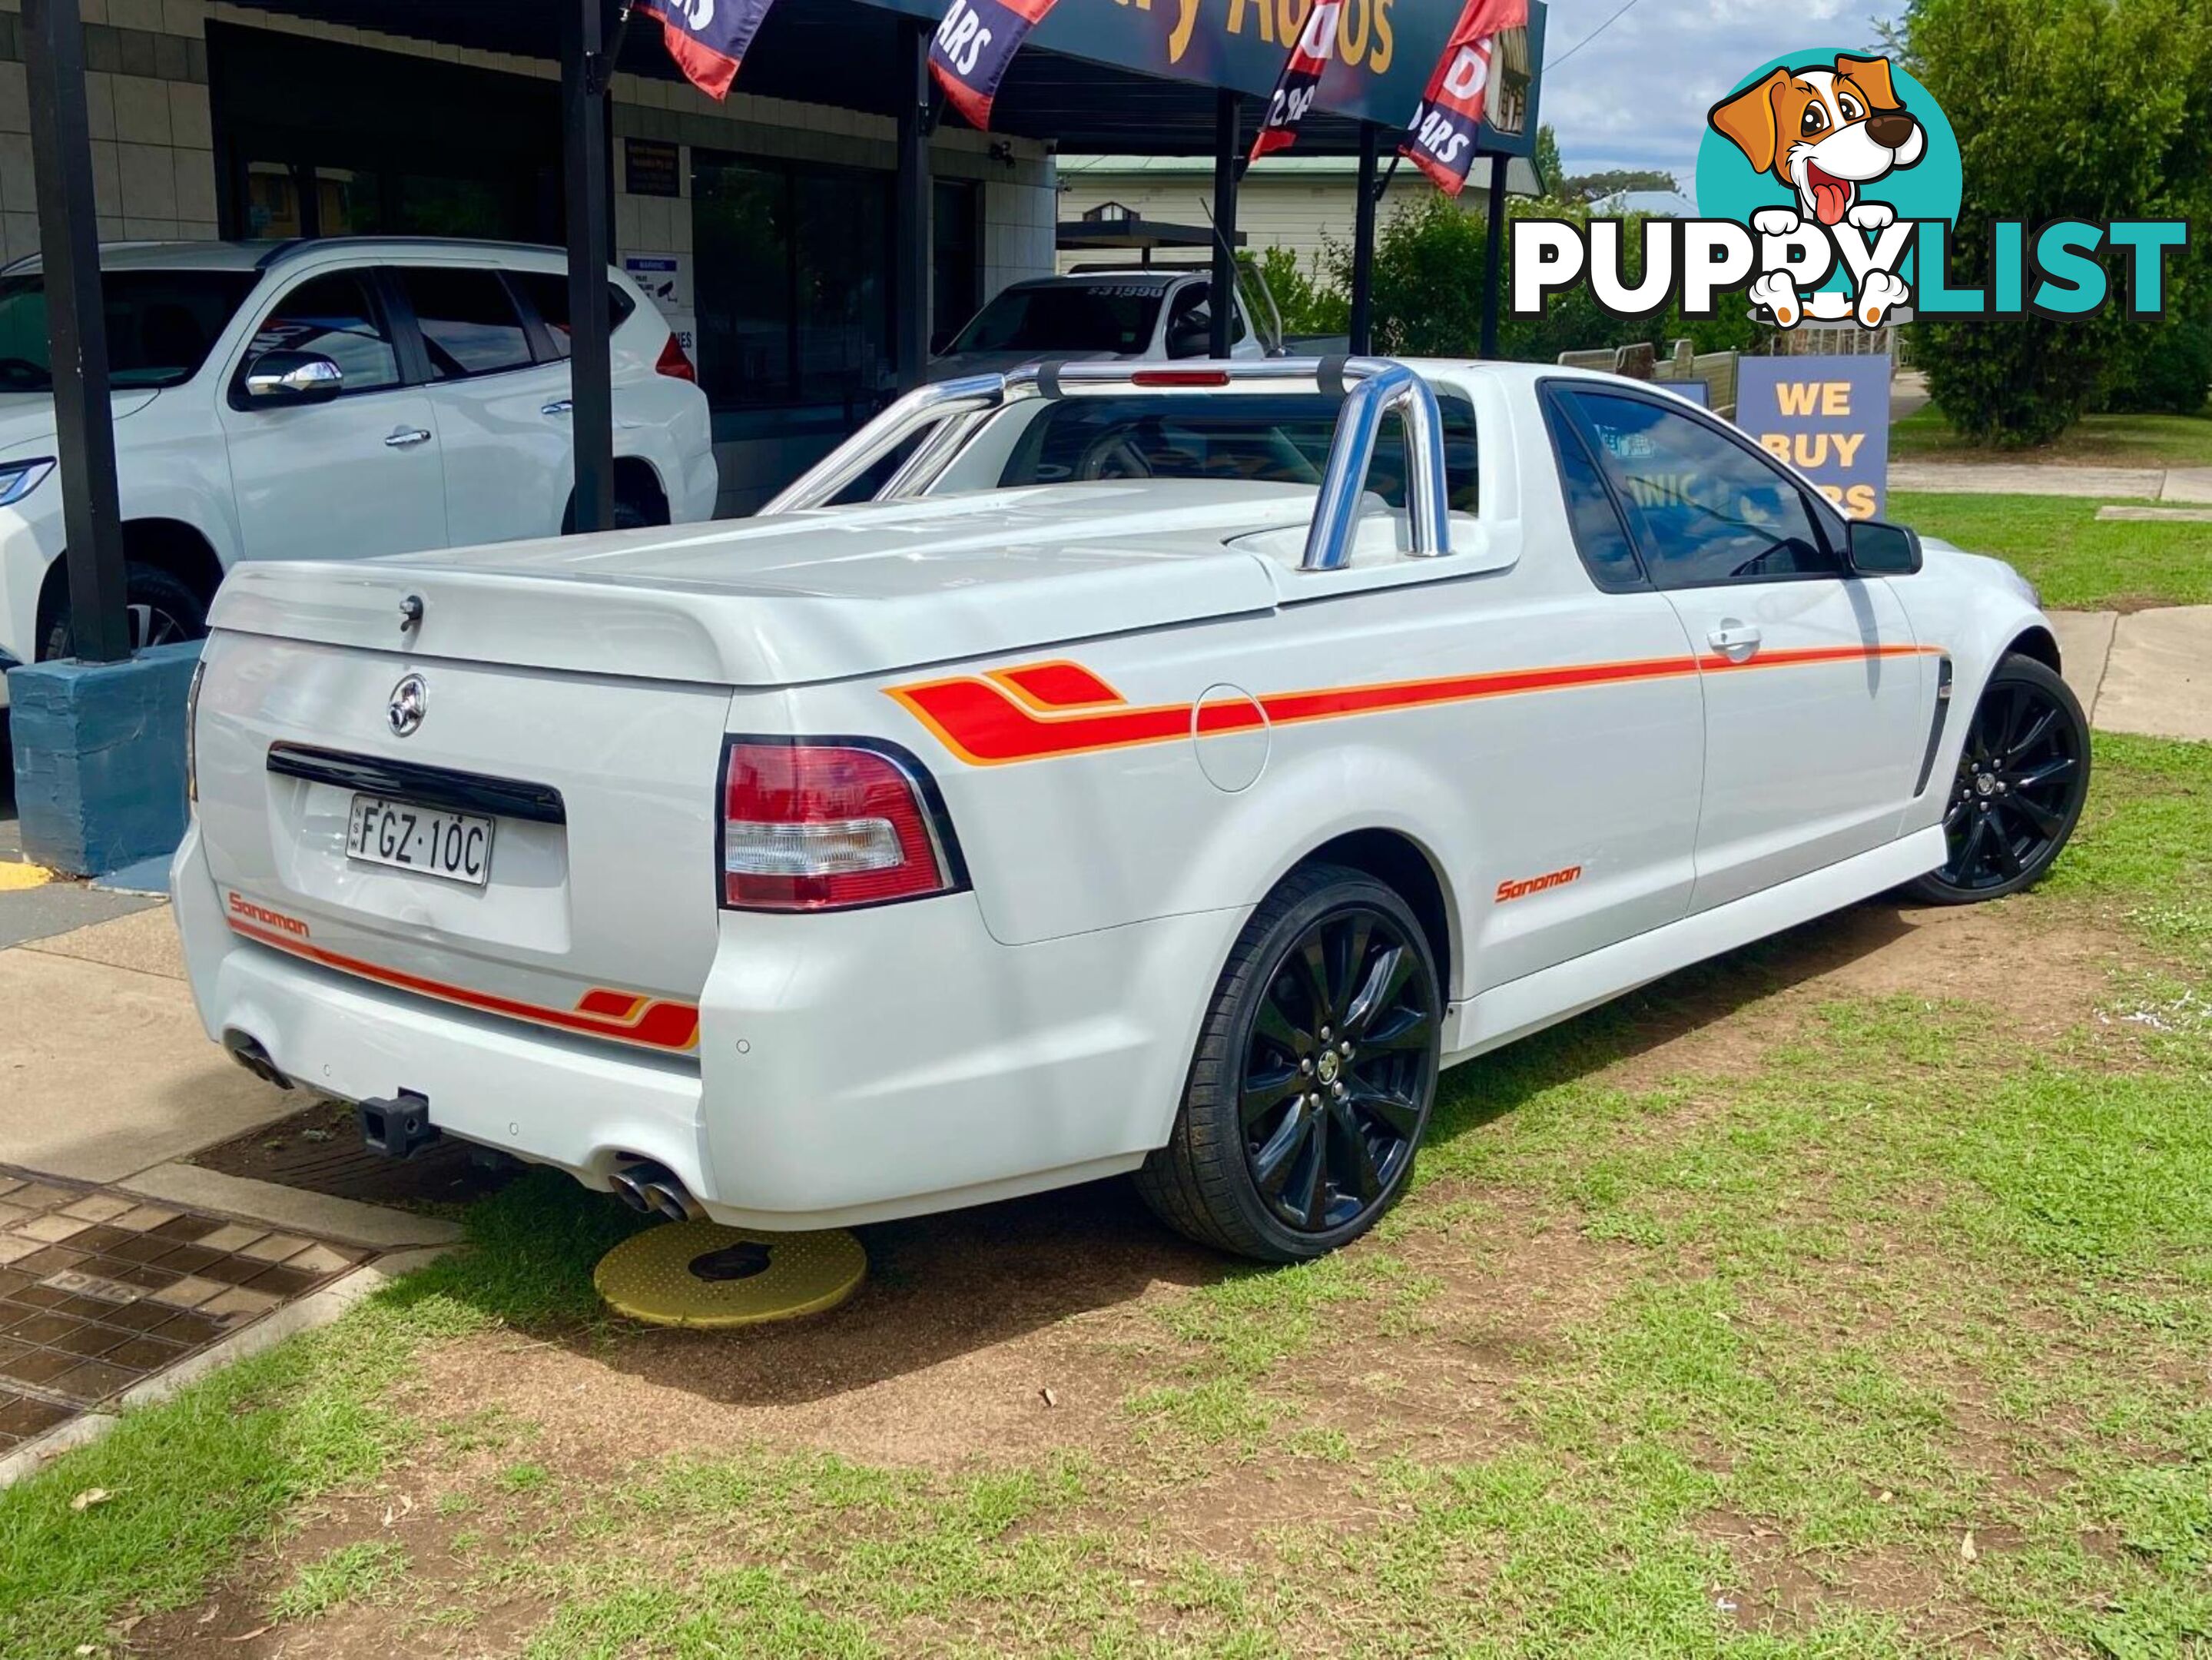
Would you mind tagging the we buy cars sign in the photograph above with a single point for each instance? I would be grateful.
(1826, 416)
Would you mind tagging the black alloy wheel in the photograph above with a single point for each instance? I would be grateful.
(1315, 1076)
(2022, 776)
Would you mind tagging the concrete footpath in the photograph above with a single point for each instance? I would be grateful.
(2148, 671)
(2183, 493)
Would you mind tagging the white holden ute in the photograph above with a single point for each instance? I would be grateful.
(1168, 771)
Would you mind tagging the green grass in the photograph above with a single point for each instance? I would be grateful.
(365, 1572)
(2076, 560)
(2101, 441)
(1900, 1277)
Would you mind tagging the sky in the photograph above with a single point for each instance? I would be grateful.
(1636, 95)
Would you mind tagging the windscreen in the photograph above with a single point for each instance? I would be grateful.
(1275, 439)
(161, 325)
(1065, 317)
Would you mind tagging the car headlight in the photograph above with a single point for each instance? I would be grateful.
(19, 478)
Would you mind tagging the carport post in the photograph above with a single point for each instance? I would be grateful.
(586, 72)
(1363, 246)
(910, 279)
(76, 329)
(1493, 251)
(1227, 132)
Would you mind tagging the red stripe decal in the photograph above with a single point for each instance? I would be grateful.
(978, 720)
(625, 1017)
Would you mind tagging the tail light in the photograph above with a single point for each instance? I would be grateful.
(674, 364)
(825, 826)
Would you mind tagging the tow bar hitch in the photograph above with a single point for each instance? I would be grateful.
(398, 1128)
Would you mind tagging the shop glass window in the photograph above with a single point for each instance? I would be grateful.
(333, 317)
(956, 287)
(1708, 509)
(792, 264)
(469, 323)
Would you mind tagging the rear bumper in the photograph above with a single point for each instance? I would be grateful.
(851, 1067)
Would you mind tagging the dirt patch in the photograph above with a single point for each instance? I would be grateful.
(941, 1358)
(1722, 1017)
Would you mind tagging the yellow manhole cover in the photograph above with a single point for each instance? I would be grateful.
(702, 1274)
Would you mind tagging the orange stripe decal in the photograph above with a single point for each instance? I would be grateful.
(624, 1017)
(1059, 684)
(1024, 714)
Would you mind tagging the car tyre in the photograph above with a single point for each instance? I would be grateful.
(164, 609)
(2022, 775)
(1288, 1145)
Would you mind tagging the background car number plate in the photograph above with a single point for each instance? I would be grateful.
(456, 846)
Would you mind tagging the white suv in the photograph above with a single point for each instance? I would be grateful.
(329, 399)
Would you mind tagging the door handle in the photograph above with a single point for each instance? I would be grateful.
(558, 406)
(403, 438)
(1733, 639)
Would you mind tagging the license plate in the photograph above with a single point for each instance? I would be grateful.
(453, 846)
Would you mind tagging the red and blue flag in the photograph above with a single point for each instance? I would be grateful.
(973, 47)
(1300, 79)
(707, 38)
(1440, 139)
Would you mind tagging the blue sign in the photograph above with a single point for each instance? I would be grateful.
(1826, 416)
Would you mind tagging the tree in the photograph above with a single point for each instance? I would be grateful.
(1549, 167)
(2065, 109)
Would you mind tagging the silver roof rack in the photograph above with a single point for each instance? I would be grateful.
(948, 413)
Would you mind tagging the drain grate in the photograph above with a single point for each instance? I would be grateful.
(100, 1291)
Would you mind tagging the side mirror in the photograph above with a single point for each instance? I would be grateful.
(1877, 549)
(277, 379)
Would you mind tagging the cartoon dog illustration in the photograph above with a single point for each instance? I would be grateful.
(1823, 131)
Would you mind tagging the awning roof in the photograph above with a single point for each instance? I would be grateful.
(844, 53)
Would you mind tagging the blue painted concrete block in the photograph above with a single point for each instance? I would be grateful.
(99, 758)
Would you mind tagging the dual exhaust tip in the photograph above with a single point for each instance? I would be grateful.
(654, 1190)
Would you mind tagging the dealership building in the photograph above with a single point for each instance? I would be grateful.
(763, 225)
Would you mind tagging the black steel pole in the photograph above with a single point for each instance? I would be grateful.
(911, 260)
(585, 70)
(76, 329)
(1227, 146)
(1363, 246)
(1493, 251)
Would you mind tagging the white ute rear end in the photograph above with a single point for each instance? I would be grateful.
(618, 993)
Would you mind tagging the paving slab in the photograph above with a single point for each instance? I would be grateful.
(2187, 484)
(107, 1072)
(46, 909)
(2131, 513)
(324, 1215)
(144, 941)
(2158, 680)
(2026, 478)
(2085, 642)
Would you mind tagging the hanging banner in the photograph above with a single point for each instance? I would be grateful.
(1440, 138)
(973, 47)
(1302, 72)
(707, 38)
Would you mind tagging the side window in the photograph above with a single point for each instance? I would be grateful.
(1600, 537)
(1192, 311)
(1707, 509)
(468, 324)
(548, 293)
(334, 317)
